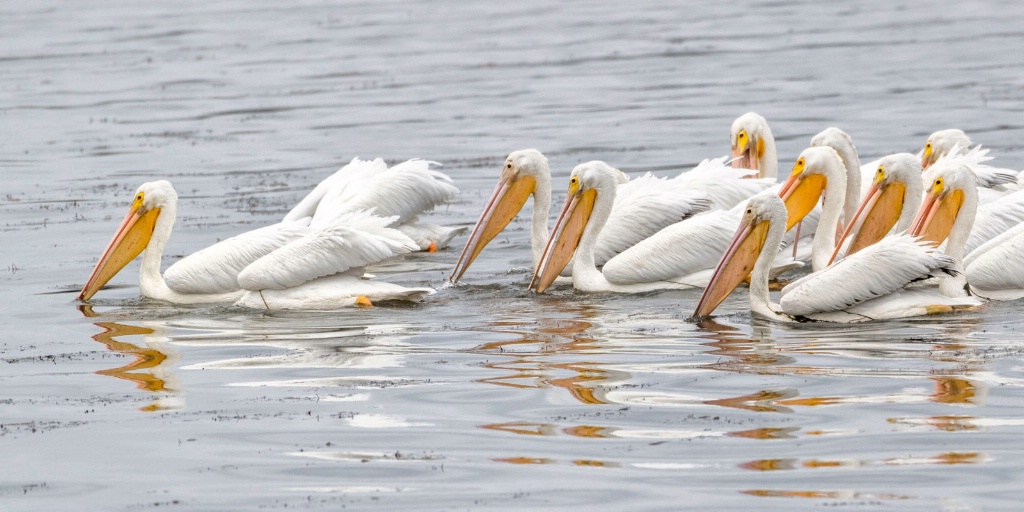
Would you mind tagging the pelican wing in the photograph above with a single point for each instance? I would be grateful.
(725, 185)
(353, 240)
(403, 191)
(878, 270)
(348, 178)
(996, 218)
(996, 269)
(643, 207)
(215, 269)
(676, 251)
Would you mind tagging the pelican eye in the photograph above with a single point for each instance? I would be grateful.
(508, 165)
(928, 145)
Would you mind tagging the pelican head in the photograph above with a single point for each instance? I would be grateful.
(760, 227)
(134, 234)
(525, 172)
(587, 183)
(894, 195)
(753, 146)
(811, 174)
(942, 142)
(950, 192)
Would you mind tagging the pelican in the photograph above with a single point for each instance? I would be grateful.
(891, 201)
(866, 286)
(588, 207)
(953, 142)
(642, 206)
(686, 252)
(753, 146)
(310, 262)
(947, 215)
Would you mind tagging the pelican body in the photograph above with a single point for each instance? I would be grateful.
(313, 259)
(588, 206)
(869, 285)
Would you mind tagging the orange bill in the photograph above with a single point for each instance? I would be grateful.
(129, 241)
(801, 193)
(735, 265)
(564, 239)
(505, 203)
(875, 217)
(936, 217)
(926, 157)
(747, 156)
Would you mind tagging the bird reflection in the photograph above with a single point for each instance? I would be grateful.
(149, 364)
(552, 337)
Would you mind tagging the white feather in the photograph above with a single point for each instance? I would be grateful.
(354, 239)
(875, 271)
(642, 207)
(725, 186)
(215, 269)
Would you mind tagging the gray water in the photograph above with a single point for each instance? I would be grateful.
(485, 396)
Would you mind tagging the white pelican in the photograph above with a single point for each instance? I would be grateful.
(753, 146)
(866, 286)
(642, 206)
(686, 252)
(953, 142)
(947, 215)
(891, 201)
(593, 189)
(284, 266)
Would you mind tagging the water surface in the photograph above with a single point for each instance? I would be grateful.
(485, 396)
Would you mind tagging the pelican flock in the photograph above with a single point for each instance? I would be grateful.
(903, 235)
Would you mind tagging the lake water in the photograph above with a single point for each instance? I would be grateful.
(485, 396)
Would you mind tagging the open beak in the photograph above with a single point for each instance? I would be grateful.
(735, 265)
(507, 200)
(129, 241)
(565, 238)
(800, 193)
(936, 217)
(746, 157)
(875, 217)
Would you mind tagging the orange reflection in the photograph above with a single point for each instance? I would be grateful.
(147, 358)
(552, 337)
(523, 428)
(769, 464)
(766, 433)
(761, 401)
(588, 431)
(596, 463)
(952, 390)
(526, 460)
(548, 429)
(771, 493)
(953, 423)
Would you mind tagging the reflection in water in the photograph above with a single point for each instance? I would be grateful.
(759, 353)
(553, 337)
(944, 459)
(850, 495)
(152, 357)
